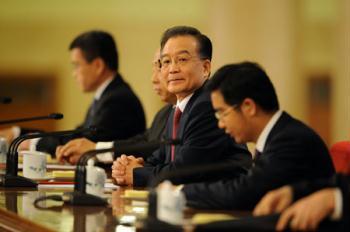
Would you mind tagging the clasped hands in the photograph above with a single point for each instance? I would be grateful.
(122, 169)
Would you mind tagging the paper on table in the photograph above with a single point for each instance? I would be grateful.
(59, 185)
(110, 186)
(202, 218)
(63, 174)
(138, 194)
(55, 166)
(56, 186)
(61, 166)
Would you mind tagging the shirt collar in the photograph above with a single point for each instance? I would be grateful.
(102, 88)
(182, 104)
(260, 144)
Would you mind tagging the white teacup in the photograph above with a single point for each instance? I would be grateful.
(34, 164)
(95, 180)
(3, 150)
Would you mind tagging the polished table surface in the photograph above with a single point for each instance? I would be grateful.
(56, 215)
(18, 213)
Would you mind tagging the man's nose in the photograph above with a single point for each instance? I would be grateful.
(174, 66)
(221, 125)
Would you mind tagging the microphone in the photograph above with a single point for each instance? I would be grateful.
(5, 100)
(187, 171)
(55, 116)
(11, 178)
(183, 172)
(79, 196)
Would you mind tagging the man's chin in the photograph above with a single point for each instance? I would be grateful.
(174, 90)
(237, 140)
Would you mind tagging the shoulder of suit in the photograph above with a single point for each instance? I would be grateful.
(200, 97)
(290, 128)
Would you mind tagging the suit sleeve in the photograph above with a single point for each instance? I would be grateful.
(284, 163)
(143, 142)
(139, 146)
(203, 142)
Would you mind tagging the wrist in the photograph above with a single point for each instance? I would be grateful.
(330, 194)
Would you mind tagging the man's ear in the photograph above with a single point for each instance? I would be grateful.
(207, 68)
(99, 65)
(249, 107)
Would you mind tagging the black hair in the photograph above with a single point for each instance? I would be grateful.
(96, 44)
(205, 48)
(245, 80)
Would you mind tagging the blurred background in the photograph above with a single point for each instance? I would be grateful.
(302, 44)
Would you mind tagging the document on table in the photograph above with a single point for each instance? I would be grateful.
(66, 184)
(55, 166)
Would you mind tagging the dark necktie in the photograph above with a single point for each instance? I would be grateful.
(176, 119)
(257, 155)
(91, 113)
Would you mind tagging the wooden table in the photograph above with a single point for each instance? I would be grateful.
(18, 213)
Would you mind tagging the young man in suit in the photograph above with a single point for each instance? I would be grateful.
(247, 108)
(72, 151)
(185, 65)
(303, 206)
(115, 111)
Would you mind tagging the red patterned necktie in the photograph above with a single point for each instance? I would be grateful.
(176, 119)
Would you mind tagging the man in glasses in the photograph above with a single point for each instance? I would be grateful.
(287, 150)
(185, 65)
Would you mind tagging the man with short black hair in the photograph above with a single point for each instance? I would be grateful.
(116, 111)
(287, 150)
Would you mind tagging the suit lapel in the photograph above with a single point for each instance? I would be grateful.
(185, 117)
(280, 124)
(96, 104)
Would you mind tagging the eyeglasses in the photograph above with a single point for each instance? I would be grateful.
(181, 60)
(157, 64)
(219, 115)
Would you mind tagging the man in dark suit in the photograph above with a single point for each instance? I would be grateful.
(323, 200)
(115, 111)
(141, 143)
(287, 150)
(185, 66)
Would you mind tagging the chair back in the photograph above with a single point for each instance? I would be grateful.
(340, 153)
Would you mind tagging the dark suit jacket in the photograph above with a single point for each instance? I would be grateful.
(202, 142)
(300, 189)
(141, 143)
(293, 152)
(118, 114)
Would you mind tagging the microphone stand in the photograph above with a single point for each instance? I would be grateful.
(79, 196)
(54, 116)
(11, 178)
(181, 172)
(191, 170)
(5, 100)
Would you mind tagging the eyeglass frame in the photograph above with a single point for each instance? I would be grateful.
(220, 115)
